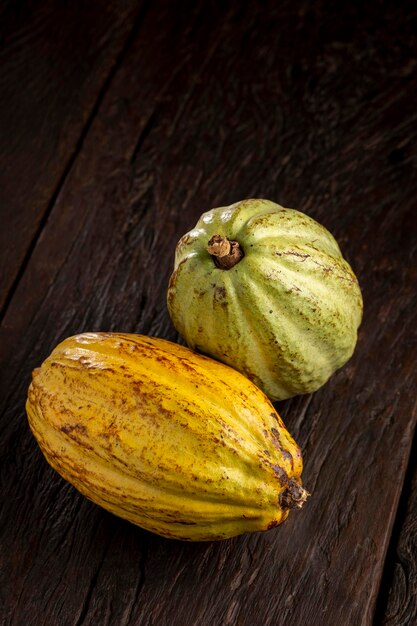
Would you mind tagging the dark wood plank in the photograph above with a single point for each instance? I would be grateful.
(398, 595)
(55, 58)
(301, 104)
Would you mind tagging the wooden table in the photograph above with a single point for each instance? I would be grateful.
(122, 122)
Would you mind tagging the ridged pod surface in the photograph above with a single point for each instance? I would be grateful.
(177, 443)
(266, 290)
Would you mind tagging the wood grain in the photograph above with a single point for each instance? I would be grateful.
(402, 604)
(310, 107)
(55, 59)
(398, 596)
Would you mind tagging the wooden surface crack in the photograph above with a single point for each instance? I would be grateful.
(143, 135)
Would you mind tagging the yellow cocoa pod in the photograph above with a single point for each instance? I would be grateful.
(175, 442)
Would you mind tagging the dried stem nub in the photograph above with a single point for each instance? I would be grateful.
(225, 253)
(294, 495)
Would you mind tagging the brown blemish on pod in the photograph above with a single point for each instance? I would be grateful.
(69, 428)
(280, 473)
(272, 524)
(276, 441)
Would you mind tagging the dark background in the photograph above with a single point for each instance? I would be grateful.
(119, 124)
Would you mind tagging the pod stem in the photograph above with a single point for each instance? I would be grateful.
(294, 495)
(225, 253)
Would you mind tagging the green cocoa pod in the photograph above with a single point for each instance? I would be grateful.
(266, 290)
